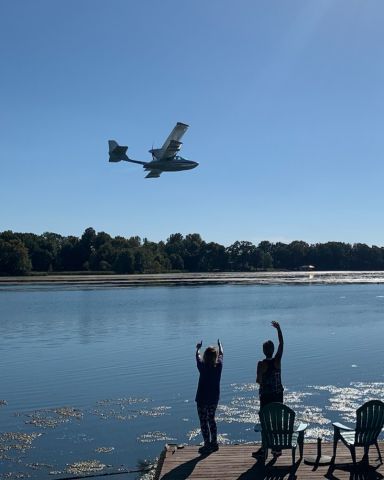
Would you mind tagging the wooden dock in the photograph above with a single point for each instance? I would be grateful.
(236, 462)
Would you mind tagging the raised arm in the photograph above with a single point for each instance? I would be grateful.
(221, 351)
(198, 346)
(279, 352)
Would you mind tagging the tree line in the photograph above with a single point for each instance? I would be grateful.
(25, 253)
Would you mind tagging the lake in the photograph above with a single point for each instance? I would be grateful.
(108, 374)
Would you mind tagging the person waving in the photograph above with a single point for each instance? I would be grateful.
(208, 393)
(269, 373)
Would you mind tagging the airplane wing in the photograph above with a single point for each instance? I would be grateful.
(172, 144)
(154, 174)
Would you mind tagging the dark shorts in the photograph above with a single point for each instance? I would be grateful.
(271, 397)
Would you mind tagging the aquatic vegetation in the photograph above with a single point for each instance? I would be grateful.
(69, 412)
(223, 439)
(154, 437)
(155, 412)
(118, 408)
(193, 433)
(104, 449)
(85, 466)
(117, 415)
(124, 401)
(38, 466)
(17, 441)
(149, 469)
(51, 418)
(147, 475)
(43, 422)
(13, 475)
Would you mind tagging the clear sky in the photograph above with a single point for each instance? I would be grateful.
(285, 102)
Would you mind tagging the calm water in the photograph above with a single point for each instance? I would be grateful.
(121, 362)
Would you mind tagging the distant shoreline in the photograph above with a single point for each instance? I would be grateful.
(194, 279)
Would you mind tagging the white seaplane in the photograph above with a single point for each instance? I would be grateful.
(164, 159)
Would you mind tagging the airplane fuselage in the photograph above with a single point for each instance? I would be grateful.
(174, 165)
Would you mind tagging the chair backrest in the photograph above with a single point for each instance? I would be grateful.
(369, 422)
(277, 425)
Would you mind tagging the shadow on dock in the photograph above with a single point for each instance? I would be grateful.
(183, 471)
(361, 471)
(269, 471)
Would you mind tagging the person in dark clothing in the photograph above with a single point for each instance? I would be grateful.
(269, 373)
(208, 394)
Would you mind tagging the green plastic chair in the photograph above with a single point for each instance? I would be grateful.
(277, 429)
(369, 423)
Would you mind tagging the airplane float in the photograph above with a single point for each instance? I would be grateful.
(164, 159)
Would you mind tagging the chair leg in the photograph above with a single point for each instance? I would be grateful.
(293, 456)
(335, 440)
(301, 445)
(265, 451)
(378, 451)
(353, 453)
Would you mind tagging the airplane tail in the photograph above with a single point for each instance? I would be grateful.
(117, 152)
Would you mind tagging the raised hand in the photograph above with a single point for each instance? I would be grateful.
(198, 345)
(279, 352)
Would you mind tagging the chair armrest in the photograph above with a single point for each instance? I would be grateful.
(301, 427)
(340, 426)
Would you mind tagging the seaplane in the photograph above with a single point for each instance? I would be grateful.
(164, 159)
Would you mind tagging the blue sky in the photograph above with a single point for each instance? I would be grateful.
(285, 102)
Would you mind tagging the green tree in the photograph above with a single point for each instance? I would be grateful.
(193, 245)
(281, 256)
(175, 246)
(331, 256)
(71, 255)
(298, 254)
(213, 258)
(14, 259)
(176, 261)
(366, 258)
(124, 262)
(242, 256)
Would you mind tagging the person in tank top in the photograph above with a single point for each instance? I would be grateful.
(268, 374)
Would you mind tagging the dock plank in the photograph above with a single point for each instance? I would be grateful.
(235, 462)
